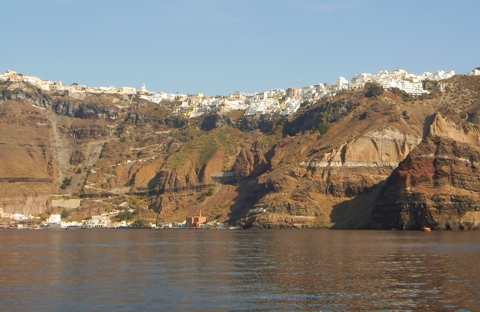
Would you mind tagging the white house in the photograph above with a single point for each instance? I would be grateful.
(474, 72)
(340, 84)
(54, 219)
(98, 222)
(32, 79)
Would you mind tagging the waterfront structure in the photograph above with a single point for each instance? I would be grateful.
(98, 221)
(195, 221)
(54, 221)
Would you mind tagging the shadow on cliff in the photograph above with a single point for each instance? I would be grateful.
(426, 125)
(249, 192)
(356, 213)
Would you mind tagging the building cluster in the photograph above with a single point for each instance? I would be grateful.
(286, 102)
(399, 78)
(8, 220)
(14, 216)
(48, 85)
(105, 221)
(279, 101)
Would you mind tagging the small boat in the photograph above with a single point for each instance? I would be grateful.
(426, 229)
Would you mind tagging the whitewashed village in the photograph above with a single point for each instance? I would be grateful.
(107, 220)
(278, 101)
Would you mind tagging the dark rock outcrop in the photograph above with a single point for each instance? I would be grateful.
(18, 94)
(88, 110)
(437, 186)
(89, 132)
(77, 158)
(265, 123)
(325, 113)
(373, 90)
(215, 120)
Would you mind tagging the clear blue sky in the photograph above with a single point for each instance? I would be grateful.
(221, 46)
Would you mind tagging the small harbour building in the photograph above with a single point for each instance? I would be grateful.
(195, 221)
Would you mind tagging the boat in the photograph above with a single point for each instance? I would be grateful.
(426, 229)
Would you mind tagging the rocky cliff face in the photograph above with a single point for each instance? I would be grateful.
(383, 148)
(334, 163)
(437, 186)
(464, 132)
(340, 176)
(25, 204)
(85, 110)
(71, 108)
(251, 162)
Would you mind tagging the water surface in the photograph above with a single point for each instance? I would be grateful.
(98, 270)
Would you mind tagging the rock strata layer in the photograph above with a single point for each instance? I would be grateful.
(437, 186)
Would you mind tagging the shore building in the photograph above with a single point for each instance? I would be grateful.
(195, 221)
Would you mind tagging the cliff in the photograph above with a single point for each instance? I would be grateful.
(367, 158)
(437, 185)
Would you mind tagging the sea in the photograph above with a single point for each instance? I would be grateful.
(238, 270)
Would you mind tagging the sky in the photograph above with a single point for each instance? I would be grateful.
(221, 46)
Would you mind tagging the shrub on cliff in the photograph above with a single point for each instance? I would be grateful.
(66, 182)
(206, 194)
(323, 127)
(124, 216)
(405, 96)
(140, 223)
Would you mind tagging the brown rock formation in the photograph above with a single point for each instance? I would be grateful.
(465, 132)
(249, 163)
(437, 185)
(323, 166)
(25, 204)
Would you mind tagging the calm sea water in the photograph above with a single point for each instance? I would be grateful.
(177, 270)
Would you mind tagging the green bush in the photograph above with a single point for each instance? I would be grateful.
(205, 194)
(66, 182)
(210, 191)
(323, 127)
(140, 223)
(124, 216)
(65, 213)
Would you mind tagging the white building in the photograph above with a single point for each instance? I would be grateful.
(98, 222)
(32, 79)
(18, 216)
(54, 220)
(474, 72)
(340, 84)
(127, 90)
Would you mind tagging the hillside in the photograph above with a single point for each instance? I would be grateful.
(331, 164)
